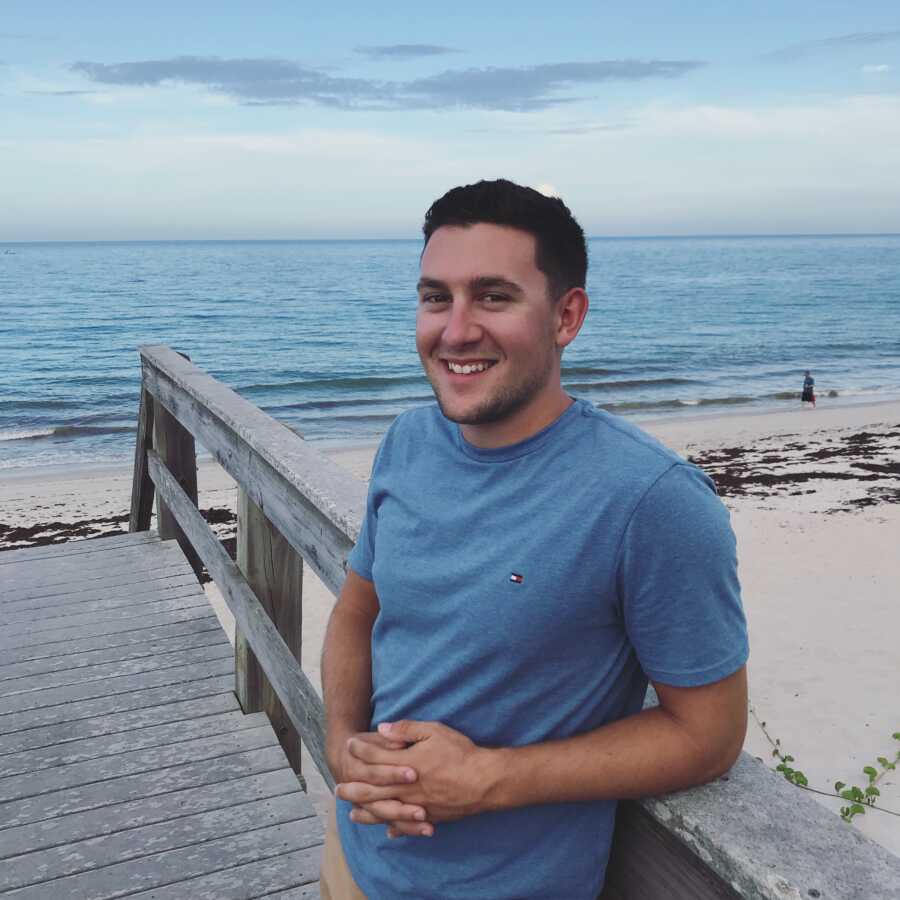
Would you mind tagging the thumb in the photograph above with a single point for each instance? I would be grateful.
(407, 730)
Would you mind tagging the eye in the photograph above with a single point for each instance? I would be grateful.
(433, 299)
(493, 299)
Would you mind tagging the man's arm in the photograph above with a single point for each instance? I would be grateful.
(347, 689)
(347, 665)
(693, 736)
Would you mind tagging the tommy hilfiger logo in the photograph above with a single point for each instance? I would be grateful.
(516, 578)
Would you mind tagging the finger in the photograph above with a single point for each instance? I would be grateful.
(361, 792)
(381, 776)
(407, 730)
(379, 740)
(372, 753)
(394, 811)
(408, 829)
(361, 816)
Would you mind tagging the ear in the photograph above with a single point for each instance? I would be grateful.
(571, 309)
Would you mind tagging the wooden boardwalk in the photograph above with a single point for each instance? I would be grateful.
(127, 767)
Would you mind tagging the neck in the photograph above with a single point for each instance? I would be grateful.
(521, 425)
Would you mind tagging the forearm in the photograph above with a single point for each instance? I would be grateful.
(346, 677)
(642, 755)
(655, 751)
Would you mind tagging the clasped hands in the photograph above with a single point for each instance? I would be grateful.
(410, 775)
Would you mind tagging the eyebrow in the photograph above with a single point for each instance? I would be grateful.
(482, 282)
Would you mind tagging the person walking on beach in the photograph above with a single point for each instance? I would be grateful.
(526, 563)
(809, 389)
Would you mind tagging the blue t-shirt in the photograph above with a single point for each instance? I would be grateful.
(526, 593)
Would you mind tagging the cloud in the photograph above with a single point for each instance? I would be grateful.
(529, 88)
(868, 70)
(61, 93)
(277, 82)
(403, 51)
(843, 42)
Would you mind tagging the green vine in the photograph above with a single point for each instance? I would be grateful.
(858, 798)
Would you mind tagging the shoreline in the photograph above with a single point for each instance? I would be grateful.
(673, 424)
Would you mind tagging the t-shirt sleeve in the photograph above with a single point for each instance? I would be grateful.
(362, 557)
(679, 585)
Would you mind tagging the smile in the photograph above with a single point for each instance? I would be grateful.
(468, 368)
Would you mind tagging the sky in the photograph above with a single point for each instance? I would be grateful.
(297, 120)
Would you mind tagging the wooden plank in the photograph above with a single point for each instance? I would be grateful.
(240, 762)
(32, 567)
(304, 892)
(141, 484)
(110, 616)
(250, 880)
(76, 547)
(16, 609)
(109, 598)
(120, 668)
(171, 867)
(78, 585)
(119, 642)
(70, 694)
(96, 748)
(64, 733)
(175, 446)
(183, 831)
(82, 825)
(301, 702)
(74, 661)
(312, 501)
(274, 572)
(213, 682)
(142, 761)
(25, 586)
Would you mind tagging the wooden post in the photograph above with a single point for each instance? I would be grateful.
(142, 484)
(175, 446)
(274, 571)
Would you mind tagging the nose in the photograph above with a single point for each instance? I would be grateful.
(461, 327)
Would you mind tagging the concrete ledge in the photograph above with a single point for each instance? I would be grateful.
(767, 840)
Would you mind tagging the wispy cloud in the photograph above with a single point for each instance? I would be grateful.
(285, 82)
(876, 69)
(826, 45)
(403, 51)
(61, 93)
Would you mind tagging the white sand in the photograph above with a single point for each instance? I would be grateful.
(820, 586)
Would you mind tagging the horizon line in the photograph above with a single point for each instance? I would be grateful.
(375, 240)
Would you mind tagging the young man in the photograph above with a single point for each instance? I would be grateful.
(526, 562)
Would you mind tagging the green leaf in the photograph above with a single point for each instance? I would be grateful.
(800, 778)
(896, 735)
(848, 794)
(789, 758)
(883, 760)
(872, 791)
(868, 770)
(856, 809)
(857, 793)
(838, 785)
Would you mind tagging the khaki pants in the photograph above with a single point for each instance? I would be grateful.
(336, 882)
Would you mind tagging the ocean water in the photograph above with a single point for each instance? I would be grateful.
(320, 333)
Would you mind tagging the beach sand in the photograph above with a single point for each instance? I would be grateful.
(814, 497)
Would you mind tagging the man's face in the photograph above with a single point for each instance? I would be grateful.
(486, 331)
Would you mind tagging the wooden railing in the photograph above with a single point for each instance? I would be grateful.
(746, 835)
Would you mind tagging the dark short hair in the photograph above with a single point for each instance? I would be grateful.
(560, 252)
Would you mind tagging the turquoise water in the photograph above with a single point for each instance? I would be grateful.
(320, 334)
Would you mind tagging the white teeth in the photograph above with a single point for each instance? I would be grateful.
(467, 369)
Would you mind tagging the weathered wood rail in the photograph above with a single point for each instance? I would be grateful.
(748, 835)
